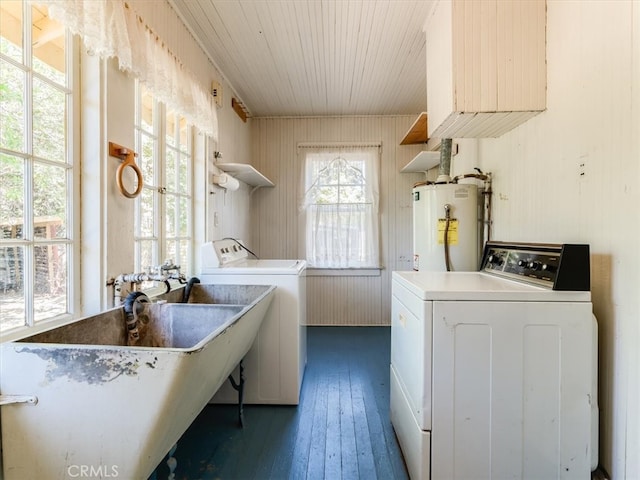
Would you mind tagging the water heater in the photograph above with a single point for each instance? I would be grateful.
(446, 226)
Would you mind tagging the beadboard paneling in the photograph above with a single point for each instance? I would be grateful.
(572, 174)
(331, 57)
(278, 233)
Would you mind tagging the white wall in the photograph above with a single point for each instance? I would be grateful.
(228, 212)
(572, 174)
(274, 211)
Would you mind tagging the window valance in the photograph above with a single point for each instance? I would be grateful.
(110, 28)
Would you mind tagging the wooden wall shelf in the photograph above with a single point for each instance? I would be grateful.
(238, 107)
(418, 131)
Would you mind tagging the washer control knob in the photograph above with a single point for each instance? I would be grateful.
(494, 259)
(523, 263)
(534, 265)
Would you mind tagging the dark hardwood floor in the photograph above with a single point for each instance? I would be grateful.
(340, 430)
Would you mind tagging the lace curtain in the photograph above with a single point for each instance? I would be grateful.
(110, 28)
(340, 204)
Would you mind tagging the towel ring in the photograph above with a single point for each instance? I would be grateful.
(119, 174)
(128, 160)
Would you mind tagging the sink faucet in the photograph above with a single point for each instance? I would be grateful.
(161, 273)
(171, 269)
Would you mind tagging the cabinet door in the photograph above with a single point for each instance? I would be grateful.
(512, 390)
(486, 66)
(520, 49)
(438, 30)
(475, 58)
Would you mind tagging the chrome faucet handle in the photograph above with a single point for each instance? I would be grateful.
(169, 265)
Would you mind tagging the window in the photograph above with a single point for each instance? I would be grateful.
(163, 222)
(37, 251)
(341, 207)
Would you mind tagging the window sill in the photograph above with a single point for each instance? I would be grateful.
(22, 332)
(344, 272)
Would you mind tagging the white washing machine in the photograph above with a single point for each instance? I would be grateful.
(274, 367)
(494, 373)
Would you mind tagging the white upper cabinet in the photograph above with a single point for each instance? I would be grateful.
(486, 66)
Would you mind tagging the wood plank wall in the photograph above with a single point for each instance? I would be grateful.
(277, 232)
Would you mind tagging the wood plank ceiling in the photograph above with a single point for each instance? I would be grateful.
(316, 57)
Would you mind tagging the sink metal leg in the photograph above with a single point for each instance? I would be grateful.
(239, 387)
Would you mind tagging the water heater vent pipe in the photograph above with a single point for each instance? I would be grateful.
(444, 170)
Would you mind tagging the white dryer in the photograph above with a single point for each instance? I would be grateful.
(274, 367)
(494, 373)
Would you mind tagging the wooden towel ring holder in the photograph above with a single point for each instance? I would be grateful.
(128, 160)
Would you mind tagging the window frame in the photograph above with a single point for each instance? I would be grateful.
(338, 152)
(157, 186)
(72, 167)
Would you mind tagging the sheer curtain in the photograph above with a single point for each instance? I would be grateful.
(110, 28)
(340, 204)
